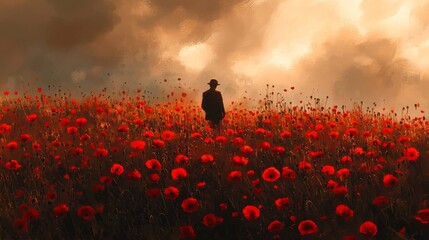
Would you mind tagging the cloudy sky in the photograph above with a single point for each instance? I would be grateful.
(369, 50)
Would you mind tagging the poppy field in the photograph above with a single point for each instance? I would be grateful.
(97, 167)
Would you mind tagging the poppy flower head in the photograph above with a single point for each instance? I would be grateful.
(60, 210)
(190, 205)
(344, 211)
(423, 216)
(411, 154)
(234, 176)
(12, 165)
(158, 143)
(389, 180)
(207, 158)
(288, 173)
(328, 170)
(138, 145)
(117, 169)
(171, 193)
(178, 173)
(12, 145)
(246, 149)
(211, 220)
(282, 203)
(187, 232)
(168, 135)
(251, 212)
(153, 164)
(181, 159)
(368, 228)
(86, 212)
(307, 227)
(21, 224)
(271, 174)
(275, 226)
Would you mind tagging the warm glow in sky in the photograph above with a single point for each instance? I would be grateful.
(370, 50)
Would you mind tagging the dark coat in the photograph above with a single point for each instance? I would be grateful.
(213, 105)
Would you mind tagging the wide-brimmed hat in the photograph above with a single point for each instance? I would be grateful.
(213, 82)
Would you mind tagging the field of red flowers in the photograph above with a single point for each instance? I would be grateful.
(128, 168)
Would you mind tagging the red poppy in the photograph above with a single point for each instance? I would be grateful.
(31, 117)
(158, 143)
(307, 227)
(275, 226)
(285, 134)
(168, 135)
(187, 232)
(334, 134)
(211, 220)
(60, 210)
(423, 216)
(251, 212)
(246, 149)
(117, 169)
(12, 145)
(240, 161)
(181, 159)
(196, 135)
(344, 211)
(304, 165)
(31, 214)
(81, 122)
(12, 165)
(264, 145)
(106, 180)
(278, 150)
(86, 212)
(259, 131)
(238, 141)
(352, 132)
(343, 173)
(36, 147)
(340, 190)
(328, 170)
(368, 228)
(389, 180)
(346, 159)
(190, 205)
(101, 152)
(380, 201)
(153, 164)
(123, 128)
(25, 137)
(138, 145)
(282, 203)
(319, 127)
(178, 173)
(153, 192)
(221, 139)
(271, 174)
(171, 193)
(154, 177)
(5, 128)
(234, 176)
(148, 134)
(411, 154)
(72, 130)
(207, 158)
(21, 224)
(312, 135)
(134, 175)
(288, 173)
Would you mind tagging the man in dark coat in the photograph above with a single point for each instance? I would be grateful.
(213, 104)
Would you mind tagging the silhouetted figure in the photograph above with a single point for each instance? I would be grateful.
(213, 104)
